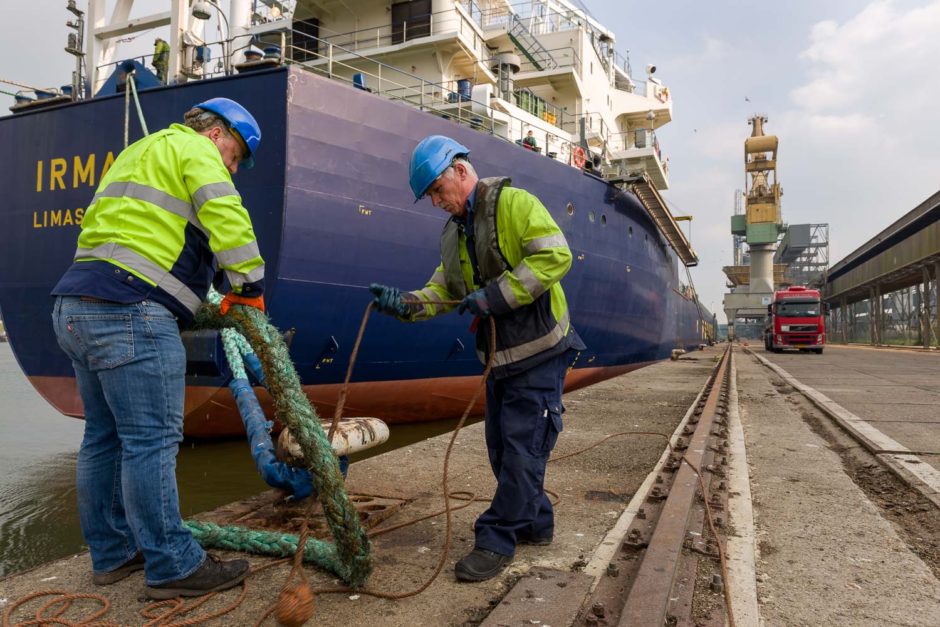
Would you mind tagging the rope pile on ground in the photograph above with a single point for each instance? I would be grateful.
(350, 558)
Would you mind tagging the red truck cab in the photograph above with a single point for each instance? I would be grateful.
(796, 319)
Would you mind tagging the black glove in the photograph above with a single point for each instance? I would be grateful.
(476, 303)
(388, 300)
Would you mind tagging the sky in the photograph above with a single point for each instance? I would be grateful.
(850, 87)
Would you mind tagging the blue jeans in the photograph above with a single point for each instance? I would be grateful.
(523, 420)
(130, 366)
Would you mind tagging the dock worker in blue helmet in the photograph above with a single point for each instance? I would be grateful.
(502, 256)
(164, 215)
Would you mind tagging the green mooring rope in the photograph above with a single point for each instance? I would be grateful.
(350, 558)
(233, 343)
(232, 538)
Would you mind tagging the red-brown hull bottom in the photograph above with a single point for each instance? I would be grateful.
(211, 412)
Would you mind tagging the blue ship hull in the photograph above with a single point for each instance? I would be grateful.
(332, 211)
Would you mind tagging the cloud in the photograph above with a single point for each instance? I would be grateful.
(858, 148)
(880, 59)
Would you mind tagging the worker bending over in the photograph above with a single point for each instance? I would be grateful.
(502, 255)
(163, 214)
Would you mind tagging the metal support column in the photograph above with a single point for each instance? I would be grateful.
(880, 329)
(845, 319)
(872, 314)
(853, 322)
(925, 308)
(936, 302)
(920, 313)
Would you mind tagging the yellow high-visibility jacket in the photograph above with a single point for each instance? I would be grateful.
(164, 209)
(522, 256)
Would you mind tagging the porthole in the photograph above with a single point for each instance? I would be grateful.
(591, 216)
(603, 219)
(570, 209)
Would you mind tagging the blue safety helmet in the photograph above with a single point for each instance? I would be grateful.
(238, 119)
(430, 158)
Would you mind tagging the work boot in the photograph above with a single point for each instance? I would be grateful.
(214, 575)
(121, 572)
(480, 565)
(544, 541)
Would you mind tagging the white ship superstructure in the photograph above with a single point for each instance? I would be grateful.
(544, 66)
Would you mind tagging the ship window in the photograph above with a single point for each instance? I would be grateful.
(603, 219)
(591, 217)
(411, 20)
(304, 39)
(570, 209)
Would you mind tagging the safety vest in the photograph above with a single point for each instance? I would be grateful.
(161, 53)
(163, 210)
(521, 255)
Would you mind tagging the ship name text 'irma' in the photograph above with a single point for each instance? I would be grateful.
(55, 174)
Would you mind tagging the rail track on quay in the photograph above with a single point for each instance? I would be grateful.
(665, 562)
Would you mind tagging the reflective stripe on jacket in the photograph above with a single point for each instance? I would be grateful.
(522, 256)
(163, 210)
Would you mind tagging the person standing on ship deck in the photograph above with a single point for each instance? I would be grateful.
(163, 212)
(161, 58)
(503, 255)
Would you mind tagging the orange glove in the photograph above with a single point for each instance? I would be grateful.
(234, 299)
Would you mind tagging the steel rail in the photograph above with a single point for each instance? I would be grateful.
(652, 595)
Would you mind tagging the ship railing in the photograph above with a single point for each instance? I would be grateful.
(113, 65)
(622, 63)
(565, 57)
(538, 18)
(443, 98)
(535, 105)
(473, 10)
(594, 126)
(213, 66)
(106, 69)
(337, 62)
(390, 34)
(637, 139)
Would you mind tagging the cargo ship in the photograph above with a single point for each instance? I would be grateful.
(343, 92)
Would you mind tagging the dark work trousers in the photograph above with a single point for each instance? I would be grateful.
(523, 420)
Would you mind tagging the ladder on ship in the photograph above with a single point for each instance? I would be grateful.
(531, 47)
(655, 205)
